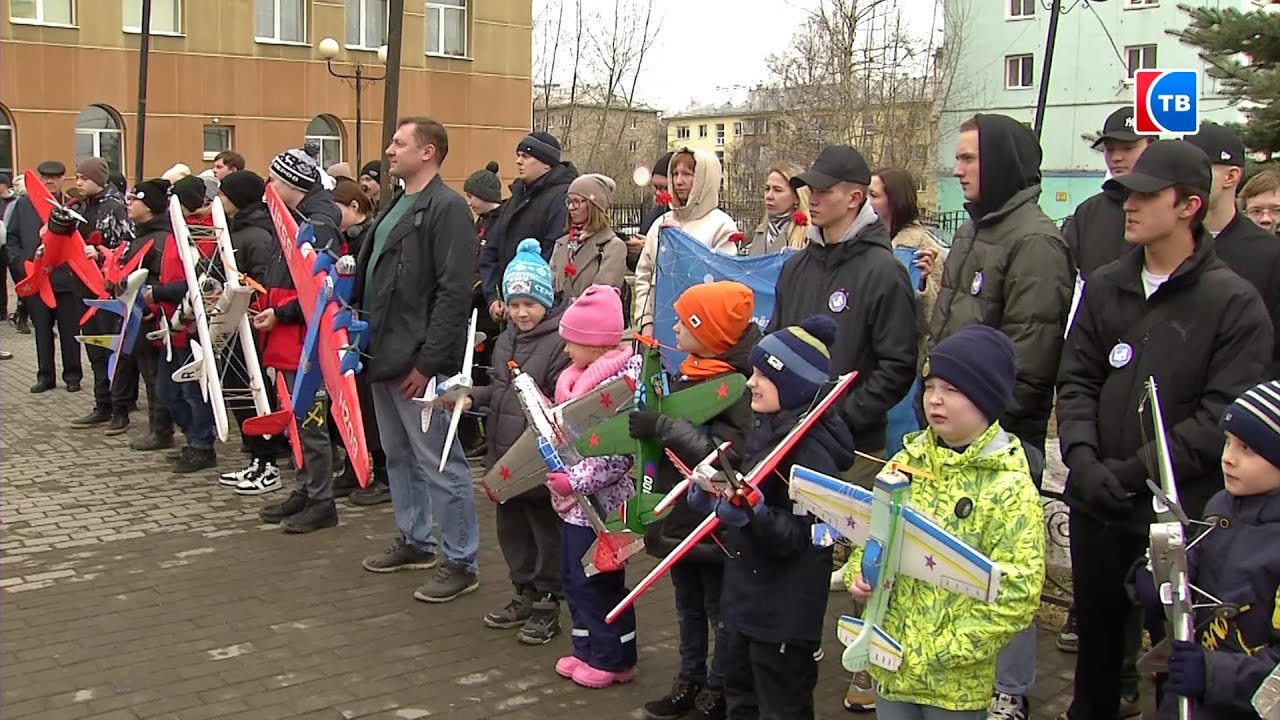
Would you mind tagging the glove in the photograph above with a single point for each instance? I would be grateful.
(1131, 474)
(699, 500)
(1186, 670)
(558, 484)
(1099, 488)
(643, 424)
(734, 513)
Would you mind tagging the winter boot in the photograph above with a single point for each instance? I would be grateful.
(543, 623)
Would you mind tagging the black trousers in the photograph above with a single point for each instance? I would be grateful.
(766, 681)
(141, 365)
(529, 535)
(102, 323)
(1101, 556)
(66, 318)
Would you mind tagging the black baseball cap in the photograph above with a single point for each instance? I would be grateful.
(51, 168)
(1166, 163)
(1119, 126)
(835, 164)
(1222, 144)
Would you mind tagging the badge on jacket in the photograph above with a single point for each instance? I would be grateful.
(838, 301)
(975, 287)
(1120, 355)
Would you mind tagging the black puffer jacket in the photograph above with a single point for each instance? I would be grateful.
(1253, 254)
(1210, 341)
(534, 210)
(105, 215)
(1095, 231)
(777, 583)
(692, 443)
(157, 230)
(253, 237)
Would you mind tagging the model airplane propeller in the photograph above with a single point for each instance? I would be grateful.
(452, 392)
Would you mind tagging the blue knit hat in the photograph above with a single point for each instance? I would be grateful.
(797, 359)
(528, 275)
(979, 362)
(1254, 417)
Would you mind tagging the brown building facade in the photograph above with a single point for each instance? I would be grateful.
(246, 75)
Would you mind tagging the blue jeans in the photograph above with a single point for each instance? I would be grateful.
(1016, 664)
(185, 403)
(698, 587)
(890, 710)
(418, 486)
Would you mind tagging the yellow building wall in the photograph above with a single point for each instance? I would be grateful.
(700, 143)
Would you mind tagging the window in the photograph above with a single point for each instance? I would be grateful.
(1140, 57)
(682, 132)
(45, 12)
(98, 134)
(737, 128)
(720, 157)
(1021, 9)
(447, 27)
(564, 120)
(6, 142)
(1139, 4)
(366, 23)
(635, 123)
(702, 131)
(633, 146)
(216, 139)
(166, 17)
(326, 131)
(719, 133)
(1018, 70)
(280, 20)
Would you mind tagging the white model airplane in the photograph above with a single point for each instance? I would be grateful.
(451, 392)
(896, 539)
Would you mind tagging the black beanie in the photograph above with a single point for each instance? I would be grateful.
(979, 362)
(542, 146)
(191, 193)
(153, 193)
(373, 169)
(485, 184)
(244, 188)
(663, 165)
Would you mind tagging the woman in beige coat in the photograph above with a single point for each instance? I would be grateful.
(786, 214)
(589, 252)
(893, 197)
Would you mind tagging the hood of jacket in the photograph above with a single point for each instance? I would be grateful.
(831, 433)
(704, 196)
(562, 173)
(862, 229)
(991, 451)
(1009, 161)
(158, 224)
(255, 215)
(1126, 272)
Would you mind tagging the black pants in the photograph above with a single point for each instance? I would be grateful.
(66, 317)
(529, 535)
(141, 365)
(4, 296)
(1101, 556)
(698, 587)
(102, 323)
(766, 681)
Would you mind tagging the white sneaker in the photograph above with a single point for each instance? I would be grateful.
(1008, 707)
(265, 480)
(233, 478)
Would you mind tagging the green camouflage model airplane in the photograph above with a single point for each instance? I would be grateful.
(697, 404)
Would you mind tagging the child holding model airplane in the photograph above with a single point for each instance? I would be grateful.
(603, 653)
(980, 491)
(715, 328)
(775, 584)
(528, 528)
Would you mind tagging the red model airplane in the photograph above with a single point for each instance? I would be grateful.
(62, 245)
(115, 273)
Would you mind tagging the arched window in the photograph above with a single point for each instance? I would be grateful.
(7, 166)
(99, 133)
(327, 131)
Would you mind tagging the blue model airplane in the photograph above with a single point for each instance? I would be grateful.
(130, 309)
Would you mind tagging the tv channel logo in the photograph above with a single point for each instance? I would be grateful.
(1166, 101)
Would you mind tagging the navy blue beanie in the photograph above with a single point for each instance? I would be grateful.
(1254, 417)
(797, 359)
(979, 362)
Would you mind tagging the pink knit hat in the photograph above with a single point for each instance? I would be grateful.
(595, 318)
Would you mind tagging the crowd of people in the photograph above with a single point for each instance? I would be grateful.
(1171, 271)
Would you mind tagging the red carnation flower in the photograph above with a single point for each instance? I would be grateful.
(570, 270)
(663, 199)
(737, 238)
(799, 218)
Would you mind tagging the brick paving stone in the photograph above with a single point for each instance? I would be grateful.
(132, 592)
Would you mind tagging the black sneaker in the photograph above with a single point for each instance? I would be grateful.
(543, 623)
(1068, 641)
(118, 426)
(399, 556)
(316, 516)
(675, 704)
(449, 582)
(20, 324)
(346, 483)
(178, 454)
(196, 460)
(514, 614)
(708, 705)
(376, 493)
(151, 442)
(292, 505)
(90, 420)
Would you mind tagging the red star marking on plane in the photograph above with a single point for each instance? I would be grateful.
(606, 401)
(594, 440)
(505, 473)
(930, 562)
(853, 522)
(722, 392)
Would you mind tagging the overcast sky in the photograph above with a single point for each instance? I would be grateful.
(710, 51)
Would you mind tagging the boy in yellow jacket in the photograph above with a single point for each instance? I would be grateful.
(982, 493)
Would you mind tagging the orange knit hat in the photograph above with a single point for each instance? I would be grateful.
(716, 313)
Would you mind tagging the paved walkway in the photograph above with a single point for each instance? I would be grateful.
(130, 592)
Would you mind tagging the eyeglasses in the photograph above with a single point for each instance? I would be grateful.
(570, 202)
(1259, 212)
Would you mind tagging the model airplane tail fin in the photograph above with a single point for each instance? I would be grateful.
(611, 551)
(112, 306)
(194, 370)
(867, 645)
(267, 425)
(110, 342)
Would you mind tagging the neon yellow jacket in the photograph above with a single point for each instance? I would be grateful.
(949, 641)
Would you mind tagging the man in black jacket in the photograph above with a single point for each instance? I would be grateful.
(413, 280)
(1168, 308)
(535, 209)
(1250, 251)
(848, 271)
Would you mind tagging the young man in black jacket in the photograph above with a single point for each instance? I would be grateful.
(848, 272)
(1168, 308)
(413, 280)
(1250, 251)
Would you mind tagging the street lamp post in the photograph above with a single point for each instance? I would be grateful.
(329, 50)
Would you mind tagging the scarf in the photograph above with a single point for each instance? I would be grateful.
(776, 223)
(701, 368)
(575, 382)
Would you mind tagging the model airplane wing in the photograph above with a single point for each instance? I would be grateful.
(519, 470)
(845, 507)
(932, 554)
(884, 650)
(604, 402)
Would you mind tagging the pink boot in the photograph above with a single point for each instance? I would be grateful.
(588, 676)
(568, 666)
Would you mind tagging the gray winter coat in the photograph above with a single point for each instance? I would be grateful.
(600, 260)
